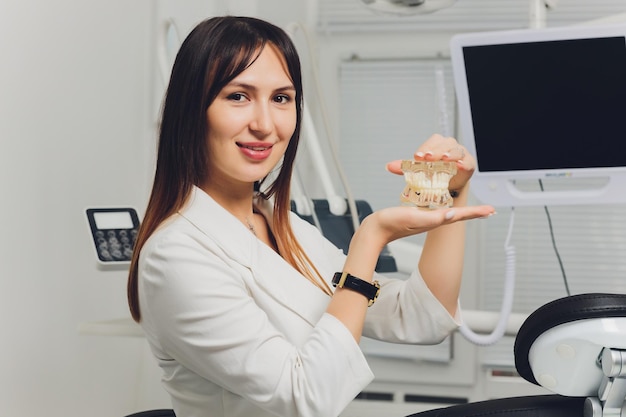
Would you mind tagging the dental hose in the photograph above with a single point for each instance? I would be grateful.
(507, 298)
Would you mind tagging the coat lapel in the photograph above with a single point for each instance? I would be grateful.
(268, 269)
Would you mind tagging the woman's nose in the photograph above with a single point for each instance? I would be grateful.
(262, 120)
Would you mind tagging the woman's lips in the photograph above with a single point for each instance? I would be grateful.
(256, 151)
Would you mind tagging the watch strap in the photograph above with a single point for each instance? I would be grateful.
(369, 289)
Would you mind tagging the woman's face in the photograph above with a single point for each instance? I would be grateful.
(250, 122)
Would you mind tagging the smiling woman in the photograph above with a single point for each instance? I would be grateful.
(233, 291)
(256, 112)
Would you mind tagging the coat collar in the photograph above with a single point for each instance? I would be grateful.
(219, 225)
(271, 272)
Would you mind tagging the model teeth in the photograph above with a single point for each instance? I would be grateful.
(427, 183)
(434, 181)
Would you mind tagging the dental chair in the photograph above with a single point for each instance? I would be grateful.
(339, 229)
(575, 347)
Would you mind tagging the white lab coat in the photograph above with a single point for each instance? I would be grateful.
(239, 333)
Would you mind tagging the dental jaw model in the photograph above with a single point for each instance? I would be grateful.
(427, 183)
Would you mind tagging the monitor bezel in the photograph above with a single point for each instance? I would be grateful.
(498, 187)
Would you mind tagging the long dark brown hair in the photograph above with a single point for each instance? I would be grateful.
(214, 53)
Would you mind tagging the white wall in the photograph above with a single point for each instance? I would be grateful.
(75, 132)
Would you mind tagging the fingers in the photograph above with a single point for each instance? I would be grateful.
(456, 214)
(397, 222)
(438, 148)
(394, 167)
(433, 218)
(415, 221)
(455, 154)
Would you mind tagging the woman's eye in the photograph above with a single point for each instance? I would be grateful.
(282, 98)
(236, 97)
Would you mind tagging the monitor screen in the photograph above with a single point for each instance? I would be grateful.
(538, 103)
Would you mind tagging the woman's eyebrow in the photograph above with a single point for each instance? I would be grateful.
(287, 88)
(247, 86)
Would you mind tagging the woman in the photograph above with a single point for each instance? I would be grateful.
(234, 291)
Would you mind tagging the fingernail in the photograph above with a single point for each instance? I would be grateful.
(429, 153)
(419, 154)
(446, 155)
(450, 214)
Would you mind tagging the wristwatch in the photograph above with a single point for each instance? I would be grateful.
(369, 289)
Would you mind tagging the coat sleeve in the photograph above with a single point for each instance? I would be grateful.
(200, 312)
(406, 310)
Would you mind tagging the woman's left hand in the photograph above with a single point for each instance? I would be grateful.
(441, 148)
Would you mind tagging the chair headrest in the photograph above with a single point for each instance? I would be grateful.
(565, 337)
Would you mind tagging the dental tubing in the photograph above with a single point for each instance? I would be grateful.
(507, 298)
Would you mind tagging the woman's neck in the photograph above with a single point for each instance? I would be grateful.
(238, 200)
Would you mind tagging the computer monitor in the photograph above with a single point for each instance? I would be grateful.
(544, 104)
